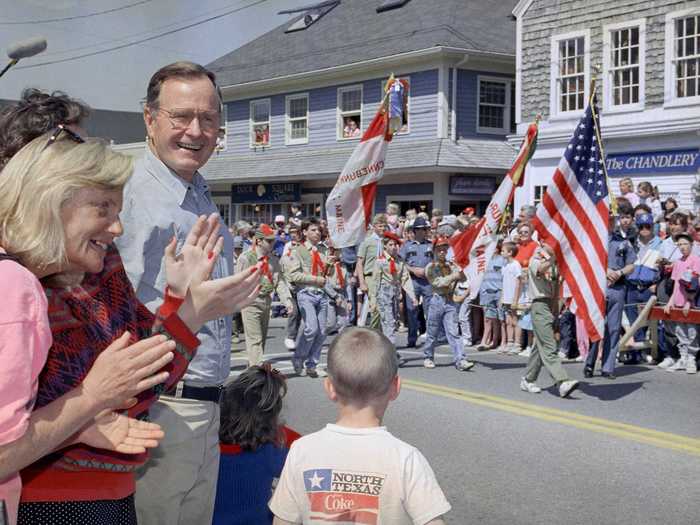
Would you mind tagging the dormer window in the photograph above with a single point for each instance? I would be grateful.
(312, 13)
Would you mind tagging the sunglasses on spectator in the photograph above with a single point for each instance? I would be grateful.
(61, 128)
(181, 118)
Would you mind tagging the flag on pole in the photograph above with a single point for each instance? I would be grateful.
(573, 220)
(474, 247)
(349, 205)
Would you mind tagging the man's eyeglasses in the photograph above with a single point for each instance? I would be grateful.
(181, 118)
(61, 128)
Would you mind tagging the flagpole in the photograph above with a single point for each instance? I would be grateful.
(596, 122)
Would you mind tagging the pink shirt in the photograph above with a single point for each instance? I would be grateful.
(25, 338)
(690, 264)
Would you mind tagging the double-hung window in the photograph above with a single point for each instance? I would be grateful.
(495, 96)
(297, 125)
(683, 56)
(349, 112)
(570, 67)
(260, 123)
(624, 65)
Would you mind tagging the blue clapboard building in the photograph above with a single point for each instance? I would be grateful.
(298, 98)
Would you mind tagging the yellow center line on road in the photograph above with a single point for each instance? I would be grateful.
(648, 436)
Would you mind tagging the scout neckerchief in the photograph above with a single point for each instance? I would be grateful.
(317, 265)
(339, 273)
(265, 264)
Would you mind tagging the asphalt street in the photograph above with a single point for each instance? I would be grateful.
(617, 452)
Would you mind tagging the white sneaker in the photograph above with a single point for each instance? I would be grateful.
(692, 366)
(513, 349)
(526, 352)
(566, 387)
(463, 365)
(678, 365)
(579, 359)
(290, 344)
(428, 363)
(562, 356)
(532, 388)
(668, 361)
(648, 358)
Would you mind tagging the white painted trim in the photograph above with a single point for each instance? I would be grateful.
(608, 98)
(670, 99)
(506, 111)
(287, 123)
(521, 8)
(338, 113)
(519, 59)
(554, 73)
(252, 144)
(442, 101)
(455, 86)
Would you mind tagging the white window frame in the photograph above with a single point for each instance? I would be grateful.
(222, 137)
(670, 99)
(507, 82)
(554, 74)
(608, 84)
(288, 140)
(543, 188)
(340, 118)
(225, 201)
(251, 142)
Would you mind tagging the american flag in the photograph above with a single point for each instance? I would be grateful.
(573, 219)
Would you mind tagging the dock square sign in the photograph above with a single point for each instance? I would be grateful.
(266, 193)
(672, 161)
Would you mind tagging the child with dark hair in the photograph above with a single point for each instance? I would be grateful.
(254, 446)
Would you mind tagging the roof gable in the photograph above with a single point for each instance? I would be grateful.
(354, 31)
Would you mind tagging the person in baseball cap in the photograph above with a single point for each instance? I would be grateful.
(264, 231)
(280, 220)
(392, 236)
(644, 219)
(420, 223)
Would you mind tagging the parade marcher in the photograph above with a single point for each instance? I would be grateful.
(367, 253)
(336, 288)
(621, 256)
(308, 270)
(442, 312)
(641, 283)
(294, 316)
(390, 276)
(686, 271)
(281, 236)
(417, 254)
(348, 256)
(543, 281)
(256, 316)
(461, 299)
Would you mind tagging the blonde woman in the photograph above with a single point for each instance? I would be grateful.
(60, 199)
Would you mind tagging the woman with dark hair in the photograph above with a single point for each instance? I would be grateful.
(37, 113)
(254, 446)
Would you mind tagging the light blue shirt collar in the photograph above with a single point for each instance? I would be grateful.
(170, 180)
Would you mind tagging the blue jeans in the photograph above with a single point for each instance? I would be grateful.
(422, 289)
(313, 306)
(614, 303)
(442, 313)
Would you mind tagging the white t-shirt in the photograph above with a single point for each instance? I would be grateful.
(357, 475)
(511, 273)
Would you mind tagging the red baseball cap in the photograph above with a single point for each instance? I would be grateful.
(393, 237)
(264, 231)
(441, 241)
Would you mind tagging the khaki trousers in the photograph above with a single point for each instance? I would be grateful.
(544, 351)
(256, 319)
(177, 486)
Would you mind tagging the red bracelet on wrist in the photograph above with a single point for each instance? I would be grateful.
(171, 304)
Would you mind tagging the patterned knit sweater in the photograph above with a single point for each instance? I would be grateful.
(84, 321)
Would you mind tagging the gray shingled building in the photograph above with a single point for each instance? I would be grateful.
(291, 93)
(644, 56)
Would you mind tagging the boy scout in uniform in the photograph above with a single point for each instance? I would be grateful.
(442, 312)
(256, 317)
(293, 315)
(336, 288)
(417, 254)
(543, 277)
(308, 269)
(389, 277)
(366, 255)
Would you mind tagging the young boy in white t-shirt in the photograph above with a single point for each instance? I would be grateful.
(511, 273)
(355, 471)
